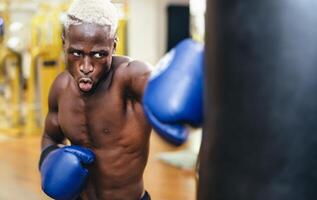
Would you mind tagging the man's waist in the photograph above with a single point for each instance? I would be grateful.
(116, 189)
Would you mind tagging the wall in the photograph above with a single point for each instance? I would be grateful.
(147, 28)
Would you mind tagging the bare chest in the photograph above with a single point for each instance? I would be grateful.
(101, 121)
(83, 121)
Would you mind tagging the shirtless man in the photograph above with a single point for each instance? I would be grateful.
(95, 105)
(99, 104)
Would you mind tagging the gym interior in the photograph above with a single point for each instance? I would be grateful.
(31, 56)
(258, 137)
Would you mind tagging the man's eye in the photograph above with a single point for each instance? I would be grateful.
(99, 55)
(77, 54)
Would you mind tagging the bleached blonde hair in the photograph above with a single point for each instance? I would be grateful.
(100, 12)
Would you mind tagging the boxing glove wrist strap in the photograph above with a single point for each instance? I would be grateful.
(45, 152)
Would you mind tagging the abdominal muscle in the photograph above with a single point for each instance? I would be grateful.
(116, 174)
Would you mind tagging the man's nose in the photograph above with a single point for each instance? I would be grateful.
(86, 67)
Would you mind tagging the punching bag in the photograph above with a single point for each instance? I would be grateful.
(260, 128)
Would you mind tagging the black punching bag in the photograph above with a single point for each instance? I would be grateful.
(260, 129)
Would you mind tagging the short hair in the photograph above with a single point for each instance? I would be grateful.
(100, 12)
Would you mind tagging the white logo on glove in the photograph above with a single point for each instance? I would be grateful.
(163, 64)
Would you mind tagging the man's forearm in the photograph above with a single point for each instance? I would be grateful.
(49, 141)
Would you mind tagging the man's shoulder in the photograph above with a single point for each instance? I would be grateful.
(118, 60)
(62, 79)
(61, 82)
(125, 66)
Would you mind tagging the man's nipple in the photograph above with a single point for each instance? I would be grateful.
(106, 131)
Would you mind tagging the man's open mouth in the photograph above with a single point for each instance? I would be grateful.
(85, 84)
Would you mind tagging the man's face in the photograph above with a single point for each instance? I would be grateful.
(88, 50)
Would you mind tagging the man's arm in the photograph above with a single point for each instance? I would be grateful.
(52, 133)
(173, 98)
(63, 169)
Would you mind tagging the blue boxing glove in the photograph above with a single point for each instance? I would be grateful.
(1, 28)
(64, 172)
(173, 97)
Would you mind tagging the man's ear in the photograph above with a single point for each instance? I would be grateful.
(63, 36)
(115, 44)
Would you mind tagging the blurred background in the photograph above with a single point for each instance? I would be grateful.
(31, 56)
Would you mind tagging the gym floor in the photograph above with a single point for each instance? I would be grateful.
(19, 176)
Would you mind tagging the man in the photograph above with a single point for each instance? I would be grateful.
(96, 105)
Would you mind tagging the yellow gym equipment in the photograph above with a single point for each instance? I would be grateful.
(11, 81)
(46, 61)
(4, 4)
(122, 27)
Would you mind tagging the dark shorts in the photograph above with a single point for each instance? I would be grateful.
(146, 196)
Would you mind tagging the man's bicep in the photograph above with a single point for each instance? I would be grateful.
(139, 73)
(52, 134)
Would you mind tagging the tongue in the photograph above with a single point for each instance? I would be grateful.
(85, 87)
